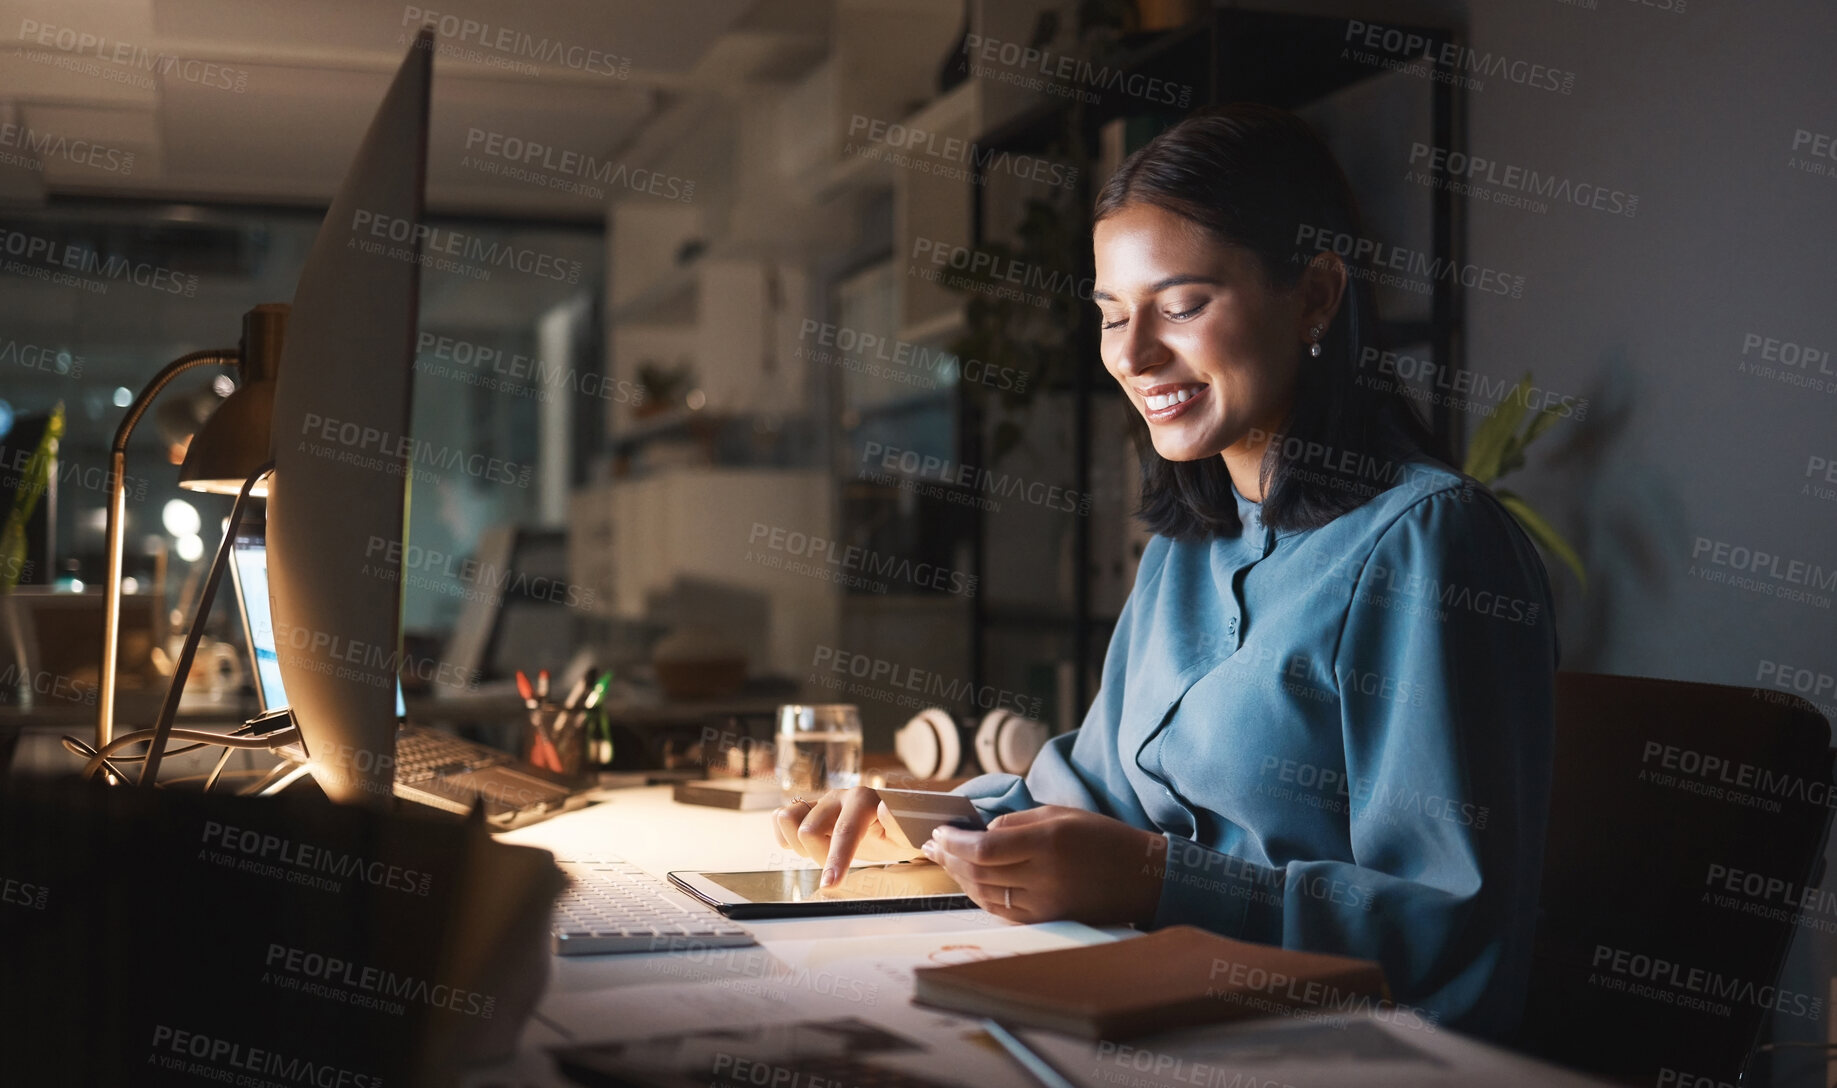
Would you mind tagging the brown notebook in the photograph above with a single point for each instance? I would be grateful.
(1174, 977)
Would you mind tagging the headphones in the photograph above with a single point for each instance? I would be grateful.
(931, 744)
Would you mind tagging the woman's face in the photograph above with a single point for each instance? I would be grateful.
(1203, 348)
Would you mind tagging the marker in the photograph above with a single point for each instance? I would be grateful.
(600, 746)
(598, 694)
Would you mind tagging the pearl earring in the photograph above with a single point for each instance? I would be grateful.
(1314, 348)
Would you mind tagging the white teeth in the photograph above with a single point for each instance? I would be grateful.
(1168, 400)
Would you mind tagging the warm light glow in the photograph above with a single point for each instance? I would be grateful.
(696, 400)
(223, 385)
(130, 584)
(181, 518)
(227, 487)
(190, 547)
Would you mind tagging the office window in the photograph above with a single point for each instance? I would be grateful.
(498, 369)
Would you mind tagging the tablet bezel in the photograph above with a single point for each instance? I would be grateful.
(731, 904)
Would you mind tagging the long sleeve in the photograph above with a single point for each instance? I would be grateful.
(1082, 768)
(1444, 672)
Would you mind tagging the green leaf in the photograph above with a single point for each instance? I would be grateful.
(1543, 534)
(1486, 450)
(1540, 423)
(36, 477)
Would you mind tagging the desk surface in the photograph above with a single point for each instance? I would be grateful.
(592, 998)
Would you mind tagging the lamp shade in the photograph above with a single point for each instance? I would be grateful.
(234, 441)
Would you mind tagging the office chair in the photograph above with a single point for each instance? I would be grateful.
(1645, 831)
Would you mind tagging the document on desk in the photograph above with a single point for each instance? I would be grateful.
(780, 981)
(1378, 1050)
(888, 961)
(823, 981)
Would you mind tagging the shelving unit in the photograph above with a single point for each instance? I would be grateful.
(793, 221)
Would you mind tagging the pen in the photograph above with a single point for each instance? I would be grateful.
(1026, 1056)
(572, 717)
(542, 683)
(578, 691)
(600, 748)
(599, 690)
(524, 689)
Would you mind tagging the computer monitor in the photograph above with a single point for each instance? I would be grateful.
(337, 505)
(249, 572)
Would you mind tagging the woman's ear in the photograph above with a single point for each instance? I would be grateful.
(1322, 287)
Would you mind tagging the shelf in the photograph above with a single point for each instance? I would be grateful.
(1278, 58)
(677, 421)
(960, 107)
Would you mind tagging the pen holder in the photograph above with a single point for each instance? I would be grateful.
(556, 740)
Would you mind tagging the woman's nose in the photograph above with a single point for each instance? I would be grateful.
(1138, 350)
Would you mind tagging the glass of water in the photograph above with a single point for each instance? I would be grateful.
(819, 748)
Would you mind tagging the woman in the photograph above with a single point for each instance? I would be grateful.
(1325, 713)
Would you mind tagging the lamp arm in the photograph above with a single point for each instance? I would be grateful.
(117, 502)
(162, 729)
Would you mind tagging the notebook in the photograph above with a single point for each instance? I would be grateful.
(1175, 977)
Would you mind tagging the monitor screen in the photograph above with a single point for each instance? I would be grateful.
(250, 556)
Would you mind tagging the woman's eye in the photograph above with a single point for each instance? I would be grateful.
(1117, 324)
(1182, 315)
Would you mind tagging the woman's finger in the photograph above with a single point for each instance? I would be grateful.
(813, 830)
(994, 889)
(890, 829)
(858, 813)
(1025, 816)
(1004, 901)
(966, 872)
(785, 819)
(1004, 845)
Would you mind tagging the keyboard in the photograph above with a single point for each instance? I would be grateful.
(612, 905)
(421, 754)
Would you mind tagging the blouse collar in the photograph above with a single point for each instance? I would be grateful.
(1250, 516)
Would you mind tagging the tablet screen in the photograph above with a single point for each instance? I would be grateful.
(900, 880)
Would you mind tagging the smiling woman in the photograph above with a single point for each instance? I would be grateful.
(1211, 282)
(1325, 714)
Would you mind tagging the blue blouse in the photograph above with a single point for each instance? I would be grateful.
(1344, 734)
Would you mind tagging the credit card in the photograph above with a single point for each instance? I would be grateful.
(916, 813)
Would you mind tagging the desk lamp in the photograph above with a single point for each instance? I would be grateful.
(348, 358)
(224, 453)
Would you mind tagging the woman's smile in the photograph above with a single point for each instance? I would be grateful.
(1169, 401)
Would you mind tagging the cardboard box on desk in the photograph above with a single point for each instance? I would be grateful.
(163, 937)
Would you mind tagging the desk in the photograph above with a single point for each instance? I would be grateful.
(591, 996)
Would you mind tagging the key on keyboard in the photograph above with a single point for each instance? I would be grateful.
(612, 905)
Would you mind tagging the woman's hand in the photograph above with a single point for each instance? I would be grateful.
(838, 827)
(1052, 862)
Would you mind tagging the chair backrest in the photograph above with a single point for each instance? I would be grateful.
(1687, 826)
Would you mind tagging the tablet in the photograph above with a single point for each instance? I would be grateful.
(789, 893)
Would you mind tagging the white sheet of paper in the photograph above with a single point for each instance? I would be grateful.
(887, 962)
(790, 980)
